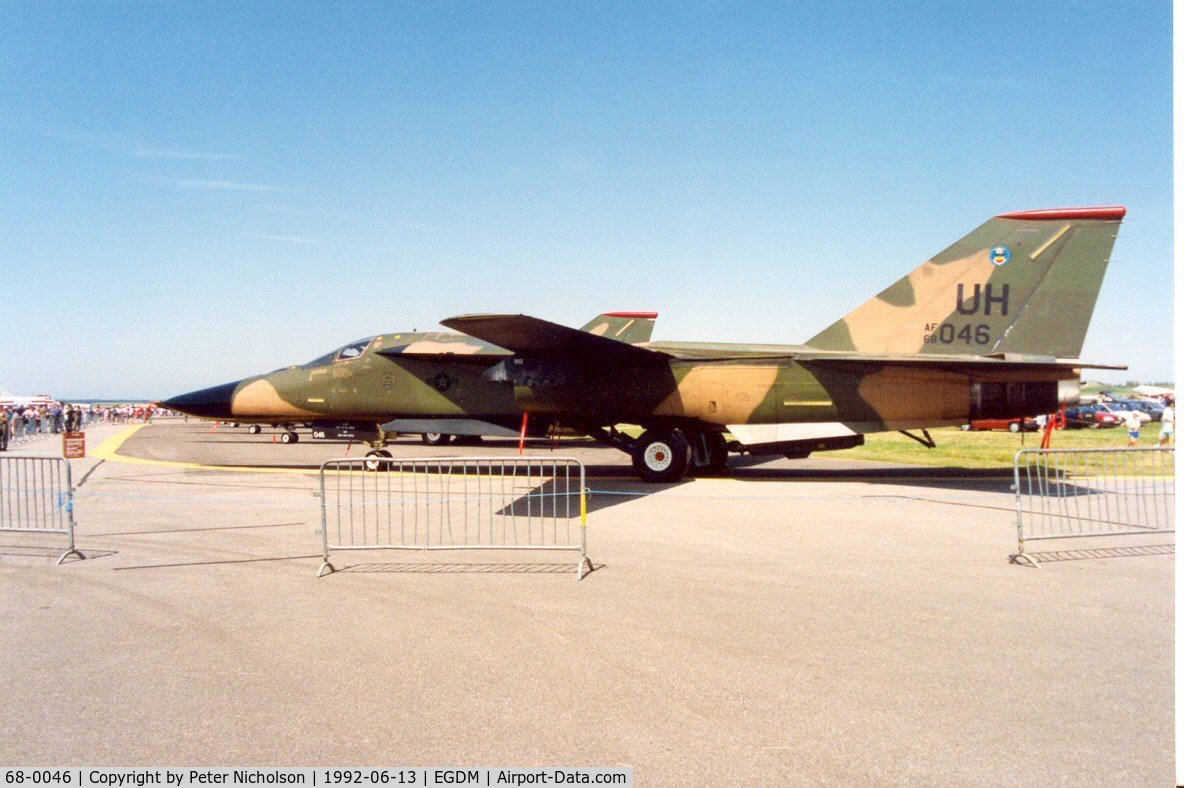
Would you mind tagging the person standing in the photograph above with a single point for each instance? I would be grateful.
(3, 429)
(1168, 431)
(1130, 420)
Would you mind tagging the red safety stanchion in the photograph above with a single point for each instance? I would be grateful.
(522, 435)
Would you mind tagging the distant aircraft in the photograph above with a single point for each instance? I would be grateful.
(992, 327)
(8, 400)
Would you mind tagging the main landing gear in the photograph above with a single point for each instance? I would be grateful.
(289, 436)
(665, 455)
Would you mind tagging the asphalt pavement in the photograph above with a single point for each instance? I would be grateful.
(810, 622)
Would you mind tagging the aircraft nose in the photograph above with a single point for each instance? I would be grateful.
(211, 403)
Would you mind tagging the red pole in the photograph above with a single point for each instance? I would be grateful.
(522, 435)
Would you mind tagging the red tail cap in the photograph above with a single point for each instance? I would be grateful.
(1110, 212)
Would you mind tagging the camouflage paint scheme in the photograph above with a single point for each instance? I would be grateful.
(990, 327)
(425, 375)
(907, 358)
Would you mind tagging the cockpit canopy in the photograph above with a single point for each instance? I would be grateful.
(347, 353)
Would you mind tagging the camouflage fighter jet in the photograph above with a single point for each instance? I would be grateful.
(413, 382)
(992, 327)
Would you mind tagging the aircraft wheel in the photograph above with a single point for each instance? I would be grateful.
(254, 429)
(965, 428)
(289, 437)
(1014, 426)
(374, 460)
(436, 438)
(661, 456)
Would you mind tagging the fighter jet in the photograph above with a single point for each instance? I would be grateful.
(992, 327)
(407, 382)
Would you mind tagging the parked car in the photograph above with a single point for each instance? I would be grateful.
(1119, 410)
(1150, 407)
(1012, 425)
(1092, 416)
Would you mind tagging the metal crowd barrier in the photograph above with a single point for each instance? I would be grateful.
(37, 496)
(454, 503)
(1079, 493)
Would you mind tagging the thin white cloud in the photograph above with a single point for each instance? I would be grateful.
(183, 154)
(288, 239)
(223, 186)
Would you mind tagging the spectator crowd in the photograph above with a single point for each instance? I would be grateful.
(27, 421)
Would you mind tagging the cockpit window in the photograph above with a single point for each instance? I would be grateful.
(350, 351)
(353, 349)
(322, 361)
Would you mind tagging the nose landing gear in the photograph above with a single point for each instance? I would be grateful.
(374, 460)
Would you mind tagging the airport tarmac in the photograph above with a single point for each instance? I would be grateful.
(796, 622)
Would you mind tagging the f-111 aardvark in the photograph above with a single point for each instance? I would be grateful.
(992, 327)
(417, 382)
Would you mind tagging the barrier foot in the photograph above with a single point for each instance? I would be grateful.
(325, 565)
(1027, 560)
(580, 573)
(71, 551)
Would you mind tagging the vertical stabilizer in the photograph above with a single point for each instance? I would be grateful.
(1021, 283)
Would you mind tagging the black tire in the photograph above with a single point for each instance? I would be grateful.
(436, 438)
(289, 437)
(254, 429)
(371, 464)
(661, 456)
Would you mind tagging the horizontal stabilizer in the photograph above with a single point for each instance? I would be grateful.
(530, 336)
(952, 363)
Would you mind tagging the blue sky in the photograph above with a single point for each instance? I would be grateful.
(193, 193)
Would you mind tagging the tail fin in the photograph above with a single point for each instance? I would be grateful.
(1021, 283)
(631, 328)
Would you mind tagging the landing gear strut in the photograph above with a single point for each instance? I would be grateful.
(709, 454)
(377, 453)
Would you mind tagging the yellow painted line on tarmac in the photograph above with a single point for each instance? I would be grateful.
(106, 450)
(109, 450)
